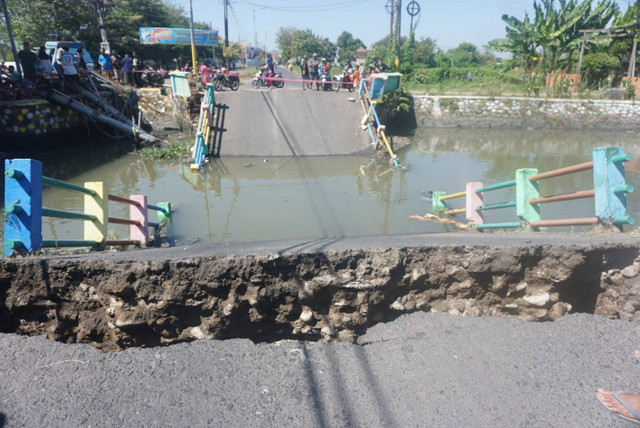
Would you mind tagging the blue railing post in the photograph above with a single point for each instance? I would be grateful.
(23, 205)
(609, 183)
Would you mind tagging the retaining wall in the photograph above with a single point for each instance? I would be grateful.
(537, 113)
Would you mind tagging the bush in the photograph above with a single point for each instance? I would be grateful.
(397, 111)
(598, 67)
(429, 76)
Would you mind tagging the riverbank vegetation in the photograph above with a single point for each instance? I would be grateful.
(538, 56)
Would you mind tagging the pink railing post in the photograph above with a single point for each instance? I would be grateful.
(140, 231)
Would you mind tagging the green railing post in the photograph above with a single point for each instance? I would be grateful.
(525, 191)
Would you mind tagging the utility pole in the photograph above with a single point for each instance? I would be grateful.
(226, 29)
(11, 40)
(398, 16)
(391, 8)
(193, 44)
(226, 24)
(103, 29)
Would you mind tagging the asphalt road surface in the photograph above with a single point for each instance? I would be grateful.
(430, 370)
(291, 122)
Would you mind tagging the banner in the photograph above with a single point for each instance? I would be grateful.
(178, 36)
(252, 56)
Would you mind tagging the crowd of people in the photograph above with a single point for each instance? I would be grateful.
(40, 68)
(312, 70)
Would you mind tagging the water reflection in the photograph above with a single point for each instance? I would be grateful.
(245, 199)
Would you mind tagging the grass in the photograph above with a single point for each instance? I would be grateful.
(174, 151)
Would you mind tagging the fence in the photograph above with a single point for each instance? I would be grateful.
(24, 211)
(369, 108)
(609, 192)
(204, 134)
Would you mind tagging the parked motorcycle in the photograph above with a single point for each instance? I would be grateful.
(261, 80)
(151, 77)
(346, 80)
(225, 80)
(325, 81)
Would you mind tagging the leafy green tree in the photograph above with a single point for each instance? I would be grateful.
(465, 54)
(383, 48)
(39, 21)
(424, 52)
(521, 39)
(348, 45)
(294, 43)
(555, 31)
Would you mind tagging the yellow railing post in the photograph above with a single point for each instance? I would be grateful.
(98, 206)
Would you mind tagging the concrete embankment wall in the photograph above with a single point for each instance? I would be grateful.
(537, 113)
(325, 295)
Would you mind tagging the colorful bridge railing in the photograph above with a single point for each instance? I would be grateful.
(24, 211)
(609, 193)
(369, 108)
(204, 135)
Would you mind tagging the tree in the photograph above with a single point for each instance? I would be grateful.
(39, 21)
(424, 52)
(383, 49)
(556, 31)
(348, 45)
(464, 55)
(294, 43)
(521, 39)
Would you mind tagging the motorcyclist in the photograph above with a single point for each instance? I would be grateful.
(272, 71)
(326, 71)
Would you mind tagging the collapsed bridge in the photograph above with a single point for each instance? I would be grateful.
(314, 290)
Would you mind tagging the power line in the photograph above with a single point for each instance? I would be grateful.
(306, 9)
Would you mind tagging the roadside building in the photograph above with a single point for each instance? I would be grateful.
(361, 55)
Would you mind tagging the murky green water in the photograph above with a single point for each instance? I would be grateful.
(246, 199)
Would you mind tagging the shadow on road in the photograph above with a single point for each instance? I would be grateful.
(3, 420)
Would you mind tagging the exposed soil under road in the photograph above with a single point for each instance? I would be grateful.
(327, 295)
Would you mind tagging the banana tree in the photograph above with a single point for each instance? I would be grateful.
(521, 39)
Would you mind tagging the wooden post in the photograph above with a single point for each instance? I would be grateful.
(584, 42)
(632, 60)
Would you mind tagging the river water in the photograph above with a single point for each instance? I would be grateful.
(256, 198)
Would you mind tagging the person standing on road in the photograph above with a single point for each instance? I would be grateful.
(304, 68)
(45, 61)
(82, 65)
(137, 67)
(68, 63)
(105, 63)
(127, 69)
(28, 61)
(313, 71)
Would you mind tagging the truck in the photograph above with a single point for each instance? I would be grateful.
(52, 47)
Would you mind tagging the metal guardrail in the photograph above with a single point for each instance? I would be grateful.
(609, 193)
(24, 210)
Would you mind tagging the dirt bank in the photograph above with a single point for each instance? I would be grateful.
(328, 296)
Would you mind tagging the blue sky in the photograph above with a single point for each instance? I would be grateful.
(449, 22)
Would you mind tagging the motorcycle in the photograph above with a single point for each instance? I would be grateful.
(346, 80)
(223, 79)
(261, 80)
(325, 81)
(151, 77)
